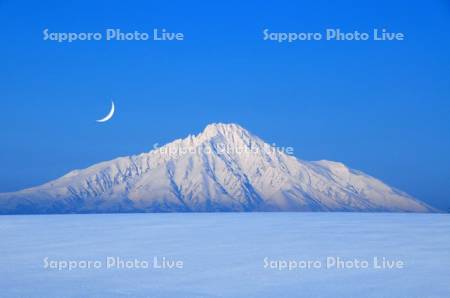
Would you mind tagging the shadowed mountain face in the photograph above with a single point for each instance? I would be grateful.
(224, 168)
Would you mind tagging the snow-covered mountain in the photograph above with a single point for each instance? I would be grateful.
(224, 168)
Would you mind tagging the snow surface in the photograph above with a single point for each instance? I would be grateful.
(223, 254)
(224, 168)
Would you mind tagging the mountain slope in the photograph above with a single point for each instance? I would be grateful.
(224, 168)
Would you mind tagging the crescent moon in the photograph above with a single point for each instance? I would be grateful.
(110, 114)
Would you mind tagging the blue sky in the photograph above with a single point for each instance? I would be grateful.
(380, 107)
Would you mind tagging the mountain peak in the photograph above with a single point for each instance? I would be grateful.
(226, 132)
(223, 129)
